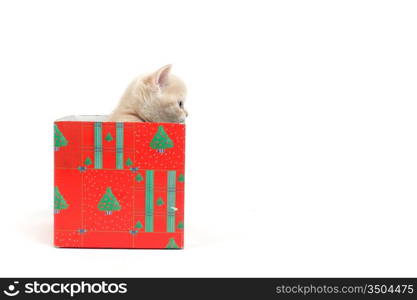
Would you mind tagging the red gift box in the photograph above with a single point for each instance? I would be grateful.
(118, 185)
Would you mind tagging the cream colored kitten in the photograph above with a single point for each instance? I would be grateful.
(157, 97)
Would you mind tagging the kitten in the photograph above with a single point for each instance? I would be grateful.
(157, 97)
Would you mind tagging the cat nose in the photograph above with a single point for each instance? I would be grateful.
(186, 113)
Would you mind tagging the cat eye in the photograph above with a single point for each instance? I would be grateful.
(180, 103)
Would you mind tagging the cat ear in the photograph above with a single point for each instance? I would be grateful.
(160, 77)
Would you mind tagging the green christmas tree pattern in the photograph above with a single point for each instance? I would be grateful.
(59, 138)
(160, 202)
(108, 137)
(129, 162)
(59, 201)
(181, 178)
(138, 225)
(138, 177)
(180, 225)
(161, 140)
(172, 244)
(88, 161)
(108, 202)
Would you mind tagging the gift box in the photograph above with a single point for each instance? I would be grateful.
(118, 184)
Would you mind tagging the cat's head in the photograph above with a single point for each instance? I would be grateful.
(162, 97)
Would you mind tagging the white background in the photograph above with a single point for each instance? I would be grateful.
(301, 154)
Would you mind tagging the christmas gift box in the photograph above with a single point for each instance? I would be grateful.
(118, 185)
